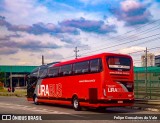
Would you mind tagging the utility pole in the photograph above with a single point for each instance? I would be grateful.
(76, 52)
(11, 78)
(42, 60)
(146, 71)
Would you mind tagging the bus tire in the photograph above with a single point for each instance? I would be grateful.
(35, 99)
(75, 103)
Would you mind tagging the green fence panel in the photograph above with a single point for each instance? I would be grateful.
(151, 90)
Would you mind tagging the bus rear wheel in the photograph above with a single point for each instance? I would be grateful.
(76, 104)
(35, 100)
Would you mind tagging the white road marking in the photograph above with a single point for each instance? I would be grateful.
(29, 108)
(34, 109)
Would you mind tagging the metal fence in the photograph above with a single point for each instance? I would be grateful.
(149, 89)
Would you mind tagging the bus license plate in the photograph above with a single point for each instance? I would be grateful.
(120, 101)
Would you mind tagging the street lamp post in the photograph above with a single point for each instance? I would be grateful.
(146, 71)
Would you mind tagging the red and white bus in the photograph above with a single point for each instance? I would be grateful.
(102, 80)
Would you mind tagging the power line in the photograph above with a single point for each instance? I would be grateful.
(147, 31)
(134, 40)
(130, 46)
(134, 35)
(122, 43)
(143, 50)
(144, 42)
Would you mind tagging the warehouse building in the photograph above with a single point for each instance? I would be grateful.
(15, 74)
(157, 60)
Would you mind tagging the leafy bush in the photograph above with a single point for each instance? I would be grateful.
(2, 77)
(1, 89)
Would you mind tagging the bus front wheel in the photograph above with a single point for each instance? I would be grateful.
(36, 100)
(76, 104)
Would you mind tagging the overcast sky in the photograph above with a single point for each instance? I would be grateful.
(53, 28)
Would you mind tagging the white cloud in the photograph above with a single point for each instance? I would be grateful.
(129, 5)
(131, 49)
(29, 12)
(52, 55)
(45, 38)
(154, 9)
(157, 51)
(4, 32)
(132, 12)
(31, 58)
(8, 50)
(23, 11)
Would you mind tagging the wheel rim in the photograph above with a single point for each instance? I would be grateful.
(75, 103)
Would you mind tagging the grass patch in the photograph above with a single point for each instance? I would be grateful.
(2, 89)
(17, 92)
(21, 92)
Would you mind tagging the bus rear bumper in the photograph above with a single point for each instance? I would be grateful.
(116, 105)
(110, 103)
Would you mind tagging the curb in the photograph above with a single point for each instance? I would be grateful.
(146, 109)
(150, 102)
(147, 105)
(11, 94)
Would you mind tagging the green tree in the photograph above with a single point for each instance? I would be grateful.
(2, 77)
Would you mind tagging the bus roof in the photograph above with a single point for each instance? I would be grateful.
(90, 57)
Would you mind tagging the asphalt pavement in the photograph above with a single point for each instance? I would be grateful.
(147, 105)
(19, 106)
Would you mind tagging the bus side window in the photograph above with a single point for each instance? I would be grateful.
(95, 65)
(53, 72)
(81, 67)
(66, 70)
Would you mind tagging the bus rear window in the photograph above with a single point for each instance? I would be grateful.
(116, 63)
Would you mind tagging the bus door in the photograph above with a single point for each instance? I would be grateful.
(32, 81)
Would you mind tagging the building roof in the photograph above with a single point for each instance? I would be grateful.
(28, 69)
(10, 68)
